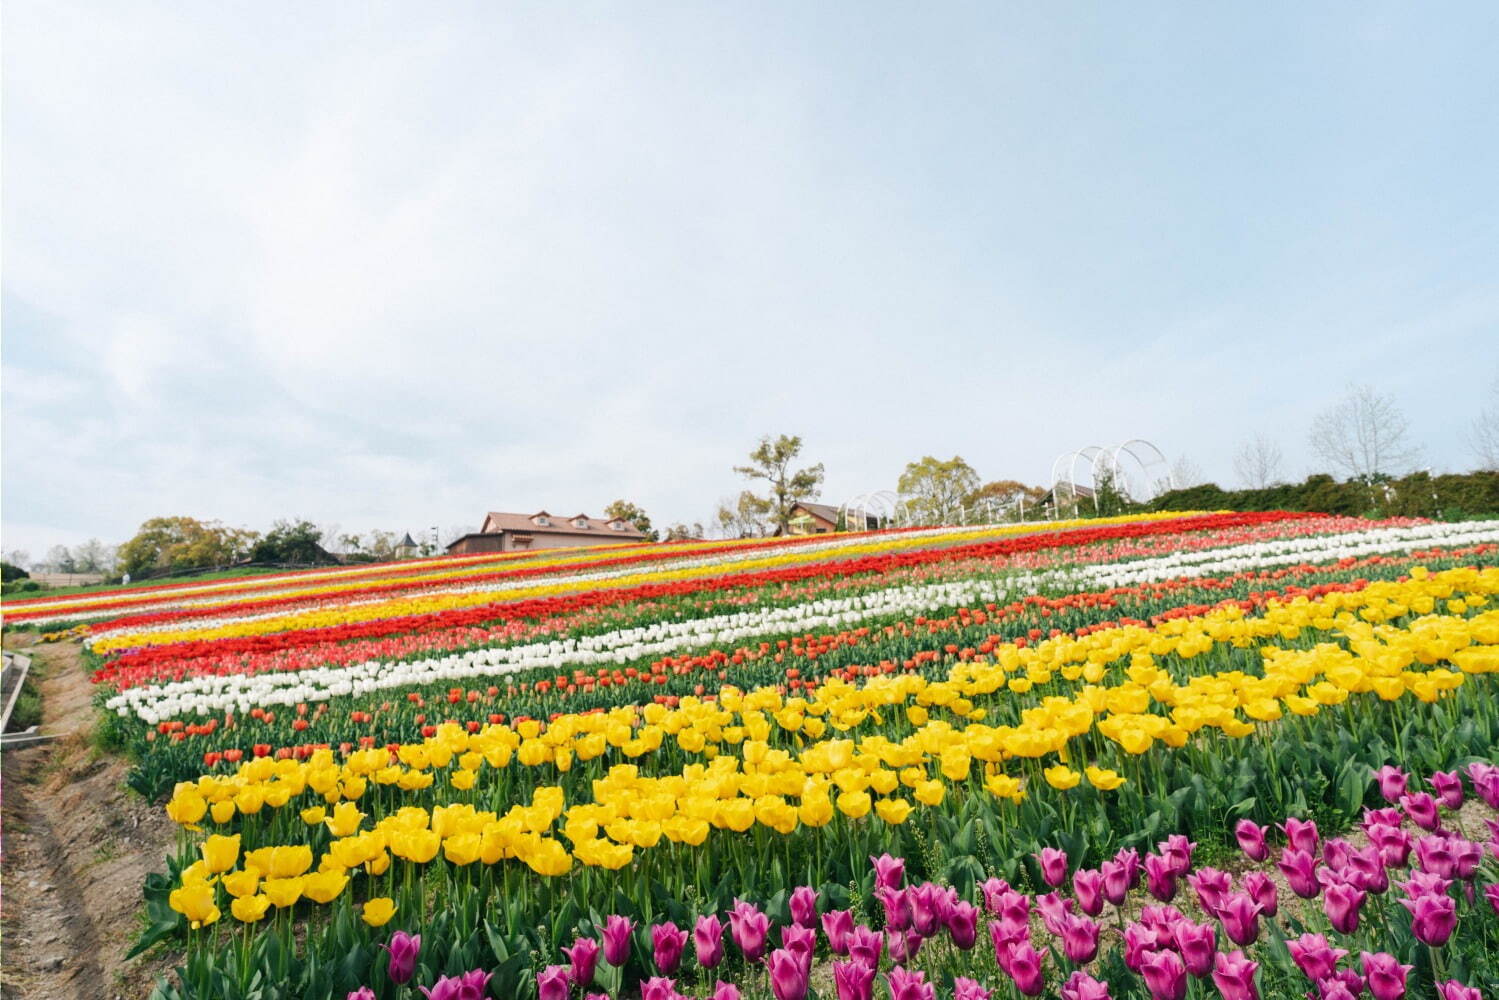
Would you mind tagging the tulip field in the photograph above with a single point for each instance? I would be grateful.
(1153, 756)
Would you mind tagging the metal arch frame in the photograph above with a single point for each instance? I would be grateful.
(883, 505)
(1102, 459)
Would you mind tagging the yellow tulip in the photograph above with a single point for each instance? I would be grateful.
(283, 892)
(854, 804)
(1103, 779)
(462, 779)
(378, 864)
(378, 911)
(242, 883)
(290, 861)
(186, 805)
(893, 811)
(313, 815)
(220, 853)
(345, 819)
(930, 793)
(1061, 777)
(462, 849)
(248, 909)
(195, 902)
(222, 812)
(324, 887)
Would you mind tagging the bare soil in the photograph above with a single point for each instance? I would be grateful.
(77, 847)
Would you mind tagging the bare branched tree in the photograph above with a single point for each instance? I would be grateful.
(1483, 436)
(1363, 435)
(1257, 462)
(1185, 473)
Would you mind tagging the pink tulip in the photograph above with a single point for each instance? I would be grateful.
(853, 980)
(1013, 906)
(905, 985)
(1211, 885)
(963, 925)
(583, 957)
(1315, 956)
(1468, 856)
(865, 945)
(1434, 854)
(1251, 838)
(1165, 975)
(1177, 849)
(1392, 782)
(1342, 904)
(722, 991)
(749, 928)
(1335, 989)
(993, 890)
(617, 932)
(1261, 889)
(1162, 921)
(788, 975)
(1491, 893)
(1300, 870)
(1422, 810)
(1394, 844)
(897, 903)
(964, 988)
(802, 940)
(1115, 881)
(1240, 916)
(403, 949)
(1079, 938)
(1449, 788)
(889, 872)
(1454, 990)
(1160, 877)
(1025, 969)
(552, 983)
(1139, 941)
(472, 985)
(1335, 853)
(902, 945)
(1053, 907)
(928, 901)
(1385, 976)
(667, 942)
(1367, 871)
(1087, 887)
(1197, 943)
(1424, 884)
(363, 993)
(658, 988)
(1433, 918)
(1005, 935)
(707, 940)
(1233, 974)
(1300, 834)
(1385, 817)
(1053, 866)
(1130, 859)
(804, 906)
(1345, 979)
(838, 925)
(1081, 986)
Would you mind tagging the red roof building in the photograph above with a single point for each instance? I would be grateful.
(502, 532)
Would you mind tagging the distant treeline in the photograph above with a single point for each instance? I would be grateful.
(1416, 495)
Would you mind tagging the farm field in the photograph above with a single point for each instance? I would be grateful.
(1156, 756)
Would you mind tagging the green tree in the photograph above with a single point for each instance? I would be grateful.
(183, 543)
(290, 542)
(746, 517)
(680, 532)
(1010, 497)
(771, 461)
(937, 492)
(627, 511)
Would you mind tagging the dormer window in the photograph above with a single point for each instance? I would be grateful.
(541, 521)
(617, 525)
(580, 522)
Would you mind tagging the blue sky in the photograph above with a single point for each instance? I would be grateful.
(395, 265)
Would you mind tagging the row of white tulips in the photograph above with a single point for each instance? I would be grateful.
(209, 695)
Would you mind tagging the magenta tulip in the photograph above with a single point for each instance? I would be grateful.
(1422, 810)
(1005, 935)
(724, 991)
(749, 927)
(1162, 921)
(1053, 907)
(964, 988)
(583, 959)
(1053, 864)
(1233, 974)
(993, 890)
(1197, 943)
(552, 983)
(1434, 854)
(1025, 969)
(1315, 956)
(1177, 849)
(1342, 904)
(1160, 877)
(1211, 885)
(617, 932)
(1081, 986)
(897, 903)
(658, 988)
(1115, 881)
(1251, 838)
(1300, 870)
(1385, 975)
(1130, 859)
(1367, 871)
(1240, 916)
(707, 941)
(473, 985)
(928, 904)
(889, 872)
(1392, 782)
(1387, 816)
(363, 993)
(865, 945)
(1433, 918)
(853, 980)
(1394, 844)
(1079, 938)
(1454, 990)
(1087, 887)
(1013, 905)
(838, 925)
(963, 924)
(902, 945)
(1301, 835)
(404, 949)
(788, 975)
(802, 940)
(1139, 941)
(1261, 889)
(1335, 853)
(804, 906)
(668, 941)
(905, 985)
(1165, 975)
(1449, 788)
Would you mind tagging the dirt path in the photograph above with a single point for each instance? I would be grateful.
(77, 848)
